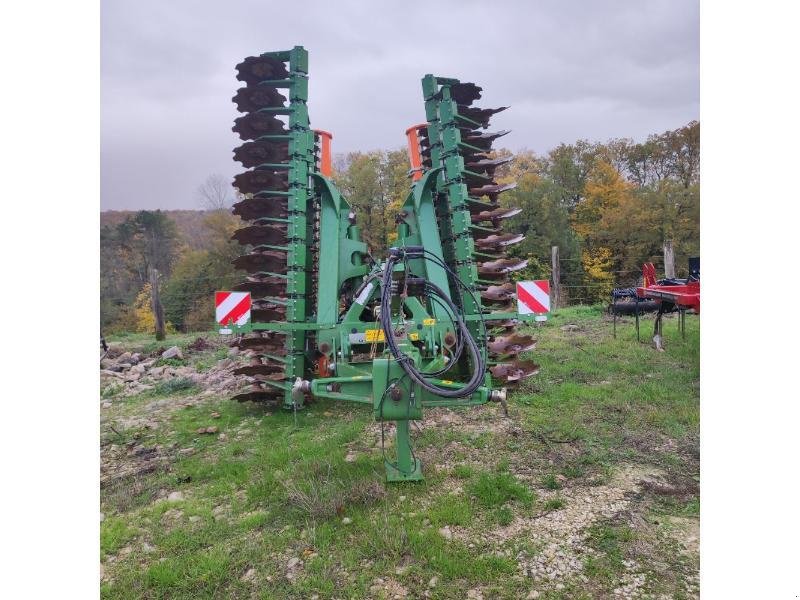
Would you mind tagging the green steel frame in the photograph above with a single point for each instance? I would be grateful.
(349, 347)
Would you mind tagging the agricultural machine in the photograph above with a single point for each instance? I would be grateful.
(660, 296)
(432, 324)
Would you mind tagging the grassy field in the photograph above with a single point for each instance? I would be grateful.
(589, 489)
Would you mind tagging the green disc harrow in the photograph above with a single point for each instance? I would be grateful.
(433, 324)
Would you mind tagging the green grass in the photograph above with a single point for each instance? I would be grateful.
(494, 489)
(171, 362)
(554, 504)
(173, 386)
(612, 542)
(277, 489)
(550, 481)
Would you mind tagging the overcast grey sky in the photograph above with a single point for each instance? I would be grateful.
(593, 69)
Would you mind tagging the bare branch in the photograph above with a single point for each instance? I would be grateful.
(216, 193)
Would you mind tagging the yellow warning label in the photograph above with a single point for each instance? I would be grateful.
(374, 335)
(429, 322)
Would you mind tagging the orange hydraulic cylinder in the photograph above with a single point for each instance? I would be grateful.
(414, 156)
(325, 164)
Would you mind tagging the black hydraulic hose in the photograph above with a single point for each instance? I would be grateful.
(456, 355)
(478, 362)
(441, 263)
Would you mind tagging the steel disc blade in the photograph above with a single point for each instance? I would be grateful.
(265, 311)
(506, 308)
(514, 371)
(498, 241)
(492, 189)
(260, 393)
(475, 180)
(480, 115)
(253, 154)
(273, 261)
(258, 208)
(465, 93)
(260, 68)
(249, 99)
(497, 214)
(261, 370)
(267, 286)
(499, 293)
(479, 233)
(266, 341)
(484, 163)
(268, 314)
(254, 125)
(501, 267)
(253, 182)
(514, 344)
(272, 235)
(501, 324)
(483, 139)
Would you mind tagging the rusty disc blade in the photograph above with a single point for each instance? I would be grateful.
(475, 180)
(253, 154)
(492, 189)
(480, 233)
(273, 261)
(514, 371)
(263, 286)
(249, 99)
(258, 208)
(483, 139)
(273, 235)
(514, 344)
(465, 93)
(254, 125)
(261, 180)
(501, 324)
(501, 266)
(268, 313)
(496, 242)
(260, 393)
(488, 163)
(260, 68)
(265, 341)
(498, 214)
(260, 370)
(499, 293)
(480, 115)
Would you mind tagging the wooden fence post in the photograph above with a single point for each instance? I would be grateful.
(669, 260)
(158, 310)
(556, 279)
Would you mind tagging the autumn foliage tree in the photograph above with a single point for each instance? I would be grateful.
(608, 207)
(376, 185)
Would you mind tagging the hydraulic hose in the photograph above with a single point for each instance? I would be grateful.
(405, 361)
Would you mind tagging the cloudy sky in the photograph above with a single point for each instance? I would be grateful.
(568, 69)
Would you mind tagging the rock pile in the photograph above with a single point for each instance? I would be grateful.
(130, 373)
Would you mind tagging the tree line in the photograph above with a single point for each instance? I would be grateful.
(609, 207)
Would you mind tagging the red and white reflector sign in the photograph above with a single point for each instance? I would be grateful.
(533, 297)
(233, 308)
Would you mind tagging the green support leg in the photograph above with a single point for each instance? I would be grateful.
(407, 468)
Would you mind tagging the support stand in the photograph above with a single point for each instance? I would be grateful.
(407, 468)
